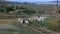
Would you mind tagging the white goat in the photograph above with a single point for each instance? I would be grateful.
(21, 20)
(39, 18)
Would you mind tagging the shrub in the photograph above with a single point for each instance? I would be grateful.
(8, 9)
(29, 11)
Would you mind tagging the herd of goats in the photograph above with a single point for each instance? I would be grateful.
(26, 20)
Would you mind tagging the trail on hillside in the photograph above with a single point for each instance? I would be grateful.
(42, 30)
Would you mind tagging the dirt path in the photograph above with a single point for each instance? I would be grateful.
(42, 30)
(34, 29)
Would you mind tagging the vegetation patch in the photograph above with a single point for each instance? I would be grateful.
(55, 22)
(6, 28)
(8, 21)
(51, 23)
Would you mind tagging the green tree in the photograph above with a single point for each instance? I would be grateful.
(8, 9)
(29, 11)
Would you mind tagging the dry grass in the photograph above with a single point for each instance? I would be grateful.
(55, 23)
(7, 21)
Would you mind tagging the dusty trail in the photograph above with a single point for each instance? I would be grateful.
(45, 30)
(42, 30)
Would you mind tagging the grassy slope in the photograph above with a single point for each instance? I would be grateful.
(50, 24)
(23, 30)
(37, 7)
(8, 21)
(55, 22)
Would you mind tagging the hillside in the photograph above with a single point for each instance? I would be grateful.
(37, 7)
(50, 25)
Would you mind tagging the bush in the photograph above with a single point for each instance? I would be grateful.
(29, 11)
(8, 9)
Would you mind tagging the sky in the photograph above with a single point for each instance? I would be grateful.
(30, 0)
